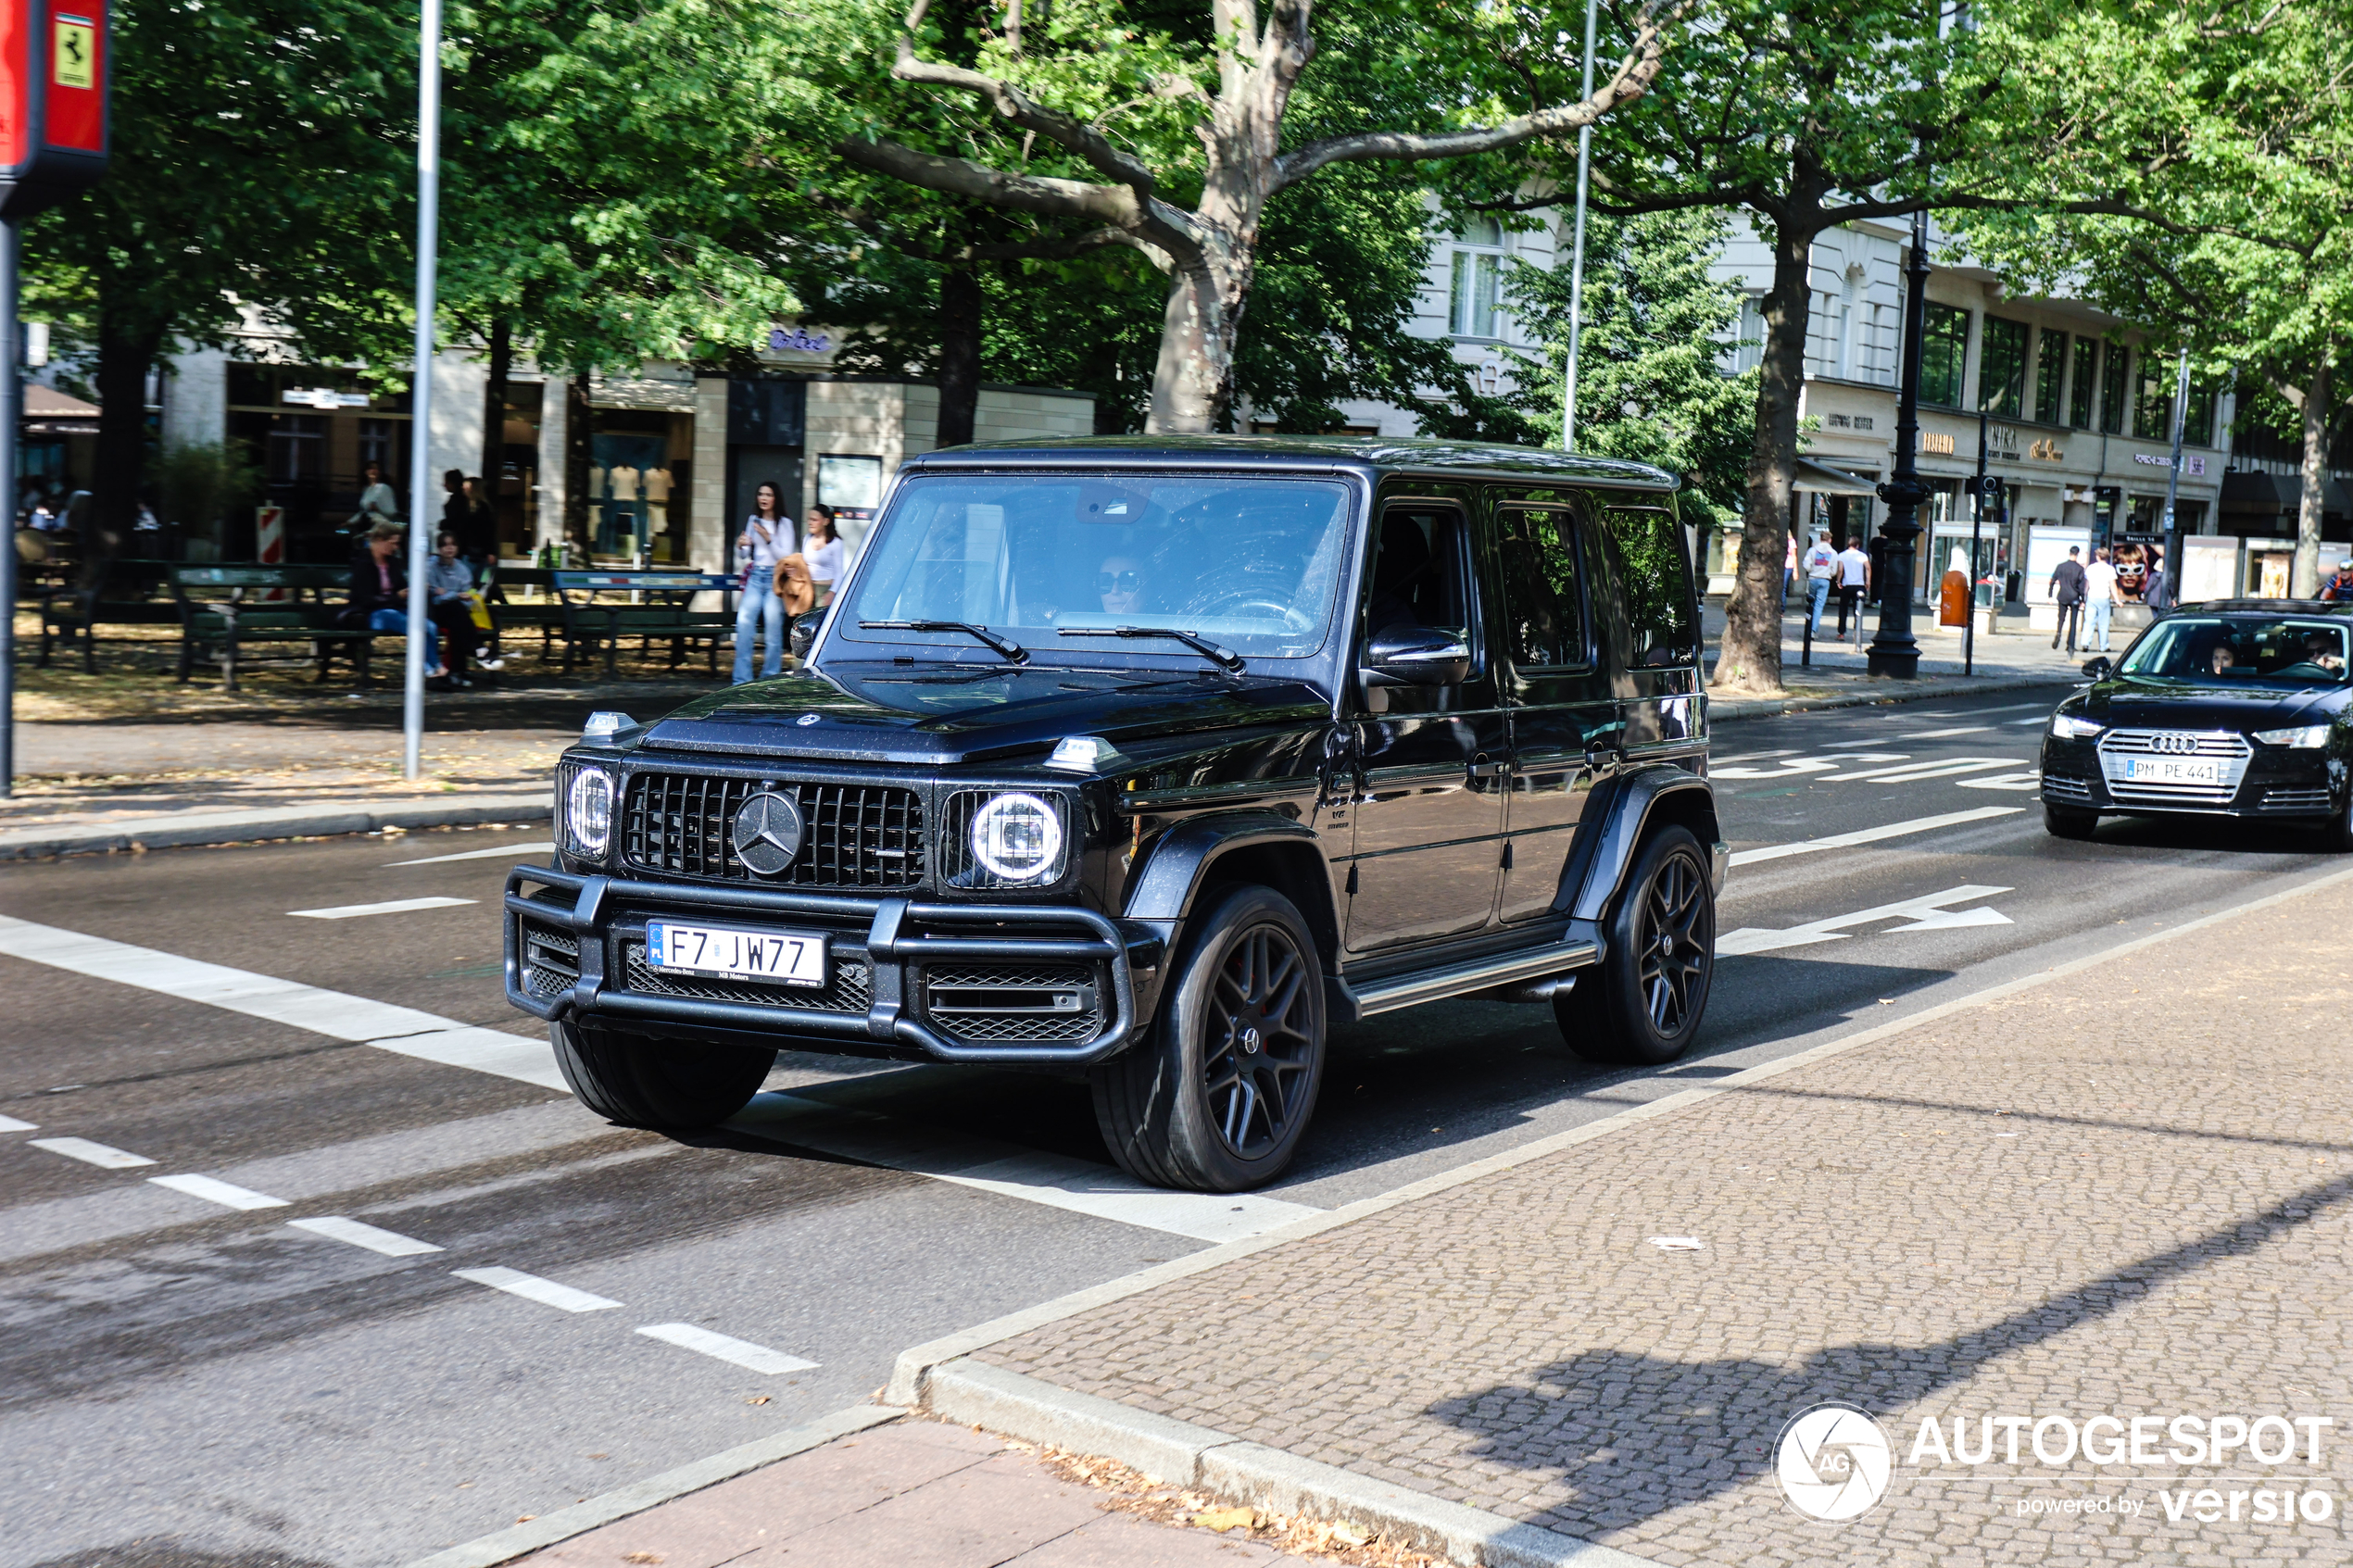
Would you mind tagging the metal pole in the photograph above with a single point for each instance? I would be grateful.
(412, 716)
(1577, 250)
(1893, 652)
(8, 430)
(2173, 484)
(1976, 531)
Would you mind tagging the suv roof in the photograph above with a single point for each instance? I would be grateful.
(1368, 453)
(2265, 607)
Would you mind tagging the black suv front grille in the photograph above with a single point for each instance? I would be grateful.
(986, 1003)
(854, 835)
(848, 988)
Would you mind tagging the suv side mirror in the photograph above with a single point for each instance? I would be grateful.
(1416, 656)
(2098, 669)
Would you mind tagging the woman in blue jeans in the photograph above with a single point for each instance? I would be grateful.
(767, 538)
(379, 596)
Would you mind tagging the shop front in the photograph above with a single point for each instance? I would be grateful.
(313, 431)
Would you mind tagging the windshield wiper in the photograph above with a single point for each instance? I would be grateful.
(1011, 653)
(1224, 658)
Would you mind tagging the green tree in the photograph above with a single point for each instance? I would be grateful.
(254, 143)
(1650, 382)
(2192, 173)
(1172, 141)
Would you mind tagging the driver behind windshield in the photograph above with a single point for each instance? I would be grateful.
(1121, 585)
(2224, 660)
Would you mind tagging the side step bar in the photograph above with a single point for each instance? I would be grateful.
(1430, 986)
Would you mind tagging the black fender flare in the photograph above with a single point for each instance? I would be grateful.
(1635, 801)
(1173, 871)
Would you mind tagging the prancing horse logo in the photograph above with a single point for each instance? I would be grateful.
(767, 833)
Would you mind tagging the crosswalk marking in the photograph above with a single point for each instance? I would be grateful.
(212, 1190)
(725, 1347)
(390, 907)
(1872, 835)
(10, 1125)
(503, 852)
(531, 1288)
(89, 1153)
(392, 1244)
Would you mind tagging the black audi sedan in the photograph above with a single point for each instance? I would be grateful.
(2235, 708)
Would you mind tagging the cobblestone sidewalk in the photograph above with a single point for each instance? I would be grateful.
(2122, 1193)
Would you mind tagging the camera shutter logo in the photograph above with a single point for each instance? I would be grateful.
(1833, 1461)
(767, 833)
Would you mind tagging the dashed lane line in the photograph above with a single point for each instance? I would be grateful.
(213, 1190)
(100, 1155)
(504, 852)
(392, 1244)
(742, 1352)
(531, 1288)
(10, 1125)
(336, 1014)
(1872, 835)
(390, 907)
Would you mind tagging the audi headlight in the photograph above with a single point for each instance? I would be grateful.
(588, 812)
(1018, 838)
(2305, 737)
(2067, 726)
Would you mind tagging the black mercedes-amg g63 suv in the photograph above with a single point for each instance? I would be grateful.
(1151, 759)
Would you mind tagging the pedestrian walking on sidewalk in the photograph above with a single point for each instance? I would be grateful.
(1854, 587)
(2099, 592)
(766, 540)
(1821, 565)
(2066, 592)
(2339, 587)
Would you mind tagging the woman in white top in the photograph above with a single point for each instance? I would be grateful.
(825, 559)
(377, 503)
(767, 538)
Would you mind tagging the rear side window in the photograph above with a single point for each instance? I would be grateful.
(1646, 547)
(1544, 583)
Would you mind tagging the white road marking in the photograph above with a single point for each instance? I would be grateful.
(1753, 756)
(2038, 719)
(1942, 734)
(391, 907)
(531, 1288)
(212, 1190)
(742, 1352)
(1924, 914)
(2006, 708)
(92, 1153)
(336, 1014)
(1009, 1171)
(10, 1125)
(2005, 781)
(1940, 766)
(1872, 835)
(392, 1244)
(504, 851)
(1800, 766)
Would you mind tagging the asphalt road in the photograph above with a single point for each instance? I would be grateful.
(254, 1390)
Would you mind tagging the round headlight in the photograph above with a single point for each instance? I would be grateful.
(1018, 838)
(588, 811)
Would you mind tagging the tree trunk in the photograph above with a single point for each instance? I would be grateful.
(126, 352)
(1193, 383)
(577, 527)
(2304, 579)
(959, 313)
(1750, 658)
(494, 406)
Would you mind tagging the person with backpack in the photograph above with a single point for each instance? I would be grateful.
(1821, 565)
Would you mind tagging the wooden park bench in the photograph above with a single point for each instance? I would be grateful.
(601, 607)
(226, 612)
(128, 592)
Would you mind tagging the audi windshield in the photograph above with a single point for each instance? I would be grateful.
(2241, 651)
(1252, 564)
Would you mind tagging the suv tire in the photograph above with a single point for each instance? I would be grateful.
(2061, 821)
(1216, 1098)
(664, 1084)
(1643, 1003)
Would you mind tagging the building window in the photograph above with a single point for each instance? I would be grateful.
(2197, 424)
(2050, 372)
(1749, 351)
(1943, 348)
(296, 453)
(1478, 265)
(376, 446)
(2088, 380)
(2001, 367)
(2112, 390)
(2153, 421)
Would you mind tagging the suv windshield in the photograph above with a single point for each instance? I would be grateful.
(1253, 564)
(2290, 652)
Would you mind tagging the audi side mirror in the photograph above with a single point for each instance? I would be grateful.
(2098, 669)
(1416, 656)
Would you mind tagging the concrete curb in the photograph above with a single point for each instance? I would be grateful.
(192, 828)
(1892, 691)
(620, 1503)
(1250, 1473)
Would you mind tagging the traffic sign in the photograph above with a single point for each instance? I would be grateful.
(55, 60)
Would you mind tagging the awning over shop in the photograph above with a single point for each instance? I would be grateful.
(2269, 494)
(48, 411)
(1821, 479)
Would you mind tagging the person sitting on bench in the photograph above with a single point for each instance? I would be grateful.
(380, 592)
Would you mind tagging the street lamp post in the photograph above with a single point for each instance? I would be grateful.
(1893, 652)
(1976, 532)
(2169, 528)
(412, 707)
(1576, 251)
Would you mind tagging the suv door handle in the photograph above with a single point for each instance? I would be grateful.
(1601, 758)
(1480, 768)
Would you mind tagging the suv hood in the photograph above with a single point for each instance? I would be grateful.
(2133, 703)
(929, 714)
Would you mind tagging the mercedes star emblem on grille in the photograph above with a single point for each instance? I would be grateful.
(2178, 744)
(767, 833)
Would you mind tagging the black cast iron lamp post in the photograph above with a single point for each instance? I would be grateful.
(1893, 652)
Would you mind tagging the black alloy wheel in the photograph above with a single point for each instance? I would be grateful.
(1261, 1051)
(1642, 1005)
(1217, 1094)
